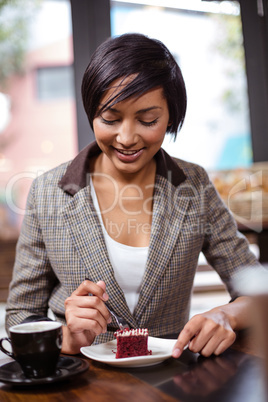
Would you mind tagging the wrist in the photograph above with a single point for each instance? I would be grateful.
(226, 316)
(238, 313)
(72, 342)
(68, 345)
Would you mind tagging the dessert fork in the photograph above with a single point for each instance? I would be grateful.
(121, 322)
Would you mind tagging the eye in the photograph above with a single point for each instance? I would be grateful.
(149, 123)
(109, 122)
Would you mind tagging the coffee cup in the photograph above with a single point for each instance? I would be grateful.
(35, 346)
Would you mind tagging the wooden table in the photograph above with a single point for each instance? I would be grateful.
(231, 377)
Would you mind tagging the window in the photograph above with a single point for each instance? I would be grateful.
(206, 39)
(37, 106)
(54, 82)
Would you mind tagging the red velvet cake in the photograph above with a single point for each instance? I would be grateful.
(132, 342)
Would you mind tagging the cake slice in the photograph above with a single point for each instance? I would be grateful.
(132, 342)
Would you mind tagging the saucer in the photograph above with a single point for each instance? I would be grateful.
(67, 367)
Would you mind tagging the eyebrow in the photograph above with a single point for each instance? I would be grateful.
(148, 109)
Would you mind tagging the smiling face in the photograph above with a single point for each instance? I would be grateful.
(132, 131)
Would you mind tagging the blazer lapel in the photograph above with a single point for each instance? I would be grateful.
(168, 217)
(85, 230)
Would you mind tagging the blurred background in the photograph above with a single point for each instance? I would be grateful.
(221, 47)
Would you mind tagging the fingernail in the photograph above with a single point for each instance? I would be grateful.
(105, 296)
(176, 353)
(109, 320)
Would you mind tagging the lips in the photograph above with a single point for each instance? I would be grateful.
(128, 155)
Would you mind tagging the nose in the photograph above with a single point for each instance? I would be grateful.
(127, 135)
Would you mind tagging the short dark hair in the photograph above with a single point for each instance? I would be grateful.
(153, 66)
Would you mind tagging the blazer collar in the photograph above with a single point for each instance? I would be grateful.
(76, 176)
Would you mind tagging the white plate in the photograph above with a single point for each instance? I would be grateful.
(104, 352)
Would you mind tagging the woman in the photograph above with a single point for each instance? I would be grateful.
(128, 217)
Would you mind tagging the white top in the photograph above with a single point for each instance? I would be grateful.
(128, 262)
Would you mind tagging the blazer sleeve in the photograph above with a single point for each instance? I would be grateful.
(225, 248)
(33, 278)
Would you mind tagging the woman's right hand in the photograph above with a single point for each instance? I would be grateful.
(86, 316)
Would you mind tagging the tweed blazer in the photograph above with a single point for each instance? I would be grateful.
(61, 242)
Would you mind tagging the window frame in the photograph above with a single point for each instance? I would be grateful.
(255, 32)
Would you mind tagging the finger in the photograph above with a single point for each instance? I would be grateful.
(199, 342)
(86, 324)
(204, 344)
(87, 287)
(102, 285)
(94, 313)
(78, 309)
(225, 344)
(190, 330)
(95, 321)
(209, 348)
(84, 302)
(216, 344)
(208, 338)
(79, 305)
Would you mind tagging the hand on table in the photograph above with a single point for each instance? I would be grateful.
(207, 333)
(86, 316)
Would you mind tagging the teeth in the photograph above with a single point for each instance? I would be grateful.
(127, 152)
